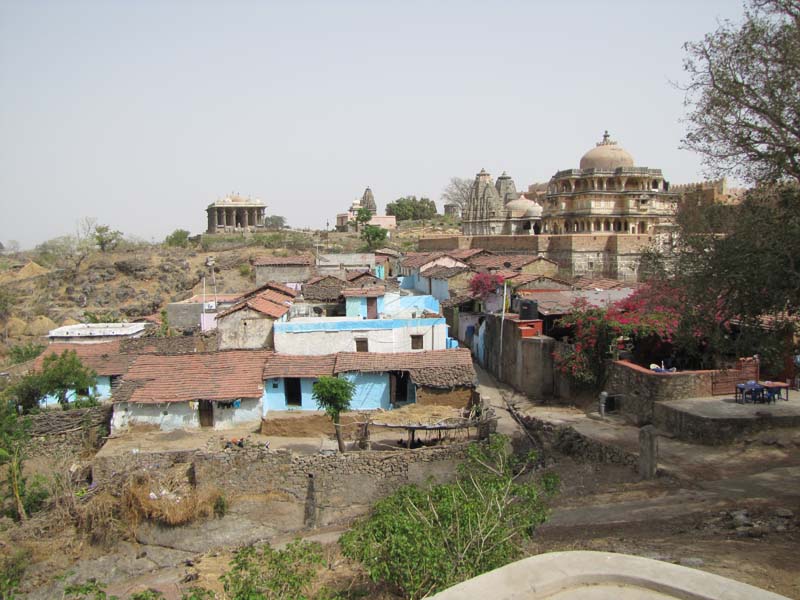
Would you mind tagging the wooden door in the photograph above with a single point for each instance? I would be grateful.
(206, 413)
(372, 308)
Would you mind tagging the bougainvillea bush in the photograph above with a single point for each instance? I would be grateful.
(483, 284)
(648, 318)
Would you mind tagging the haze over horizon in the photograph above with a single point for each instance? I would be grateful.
(141, 114)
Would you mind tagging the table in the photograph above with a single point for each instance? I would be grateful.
(755, 391)
(774, 389)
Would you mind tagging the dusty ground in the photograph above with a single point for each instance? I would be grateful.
(731, 510)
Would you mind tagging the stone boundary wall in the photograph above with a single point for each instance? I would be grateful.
(332, 488)
(567, 440)
(593, 254)
(638, 389)
(715, 431)
(68, 433)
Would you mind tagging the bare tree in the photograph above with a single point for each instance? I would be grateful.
(743, 94)
(457, 192)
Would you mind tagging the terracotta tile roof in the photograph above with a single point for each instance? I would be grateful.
(276, 297)
(326, 288)
(465, 253)
(388, 252)
(319, 278)
(271, 285)
(417, 259)
(365, 292)
(103, 358)
(533, 281)
(262, 304)
(351, 275)
(291, 365)
(226, 375)
(502, 261)
(586, 283)
(458, 300)
(440, 272)
(432, 368)
(268, 261)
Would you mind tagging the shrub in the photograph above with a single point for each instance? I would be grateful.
(423, 540)
(12, 569)
(24, 352)
(268, 574)
(244, 270)
(178, 238)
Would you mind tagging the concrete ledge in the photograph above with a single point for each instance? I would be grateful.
(596, 575)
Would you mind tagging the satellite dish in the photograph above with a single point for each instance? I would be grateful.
(507, 265)
(317, 310)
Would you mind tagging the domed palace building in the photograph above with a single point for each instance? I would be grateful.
(608, 193)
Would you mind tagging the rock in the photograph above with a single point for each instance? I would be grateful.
(756, 532)
(693, 562)
(741, 519)
(780, 528)
(784, 513)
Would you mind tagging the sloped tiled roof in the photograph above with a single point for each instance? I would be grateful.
(364, 292)
(271, 285)
(441, 272)
(226, 375)
(417, 259)
(269, 261)
(432, 368)
(352, 275)
(534, 281)
(103, 358)
(586, 283)
(261, 304)
(502, 261)
(325, 288)
(465, 253)
(290, 365)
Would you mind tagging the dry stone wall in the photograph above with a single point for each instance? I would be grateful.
(332, 488)
(68, 433)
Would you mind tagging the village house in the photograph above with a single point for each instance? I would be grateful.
(248, 324)
(211, 389)
(444, 282)
(93, 333)
(200, 311)
(377, 321)
(517, 263)
(291, 270)
(340, 264)
(382, 381)
(390, 259)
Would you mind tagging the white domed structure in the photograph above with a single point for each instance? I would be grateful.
(607, 155)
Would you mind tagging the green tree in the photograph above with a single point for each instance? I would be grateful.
(274, 222)
(333, 395)
(373, 235)
(425, 539)
(742, 94)
(178, 238)
(363, 216)
(60, 373)
(105, 238)
(409, 208)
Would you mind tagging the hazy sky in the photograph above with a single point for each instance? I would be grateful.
(141, 113)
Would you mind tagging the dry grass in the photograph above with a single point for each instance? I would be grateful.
(144, 498)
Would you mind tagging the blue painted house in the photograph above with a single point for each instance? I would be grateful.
(382, 380)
